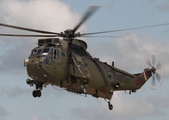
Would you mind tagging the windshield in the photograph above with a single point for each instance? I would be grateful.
(37, 52)
(45, 51)
(33, 52)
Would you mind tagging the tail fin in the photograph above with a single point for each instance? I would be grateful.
(143, 77)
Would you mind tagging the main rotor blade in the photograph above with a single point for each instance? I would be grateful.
(101, 36)
(19, 35)
(157, 25)
(28, 29)
(88, 14)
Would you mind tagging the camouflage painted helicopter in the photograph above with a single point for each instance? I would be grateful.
(66, 63)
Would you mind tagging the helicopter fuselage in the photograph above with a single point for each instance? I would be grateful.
(74, 69)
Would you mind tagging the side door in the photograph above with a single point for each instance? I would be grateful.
(60, 60)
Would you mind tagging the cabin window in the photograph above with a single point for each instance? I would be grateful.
(56, 54)
(79, 50)
(110, 73)
(79, 64)
(63, 54)
(86, 66)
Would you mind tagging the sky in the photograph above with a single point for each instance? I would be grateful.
(127, 51)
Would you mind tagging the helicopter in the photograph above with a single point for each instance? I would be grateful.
(62, 60)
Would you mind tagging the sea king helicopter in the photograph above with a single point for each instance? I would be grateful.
(62, 60)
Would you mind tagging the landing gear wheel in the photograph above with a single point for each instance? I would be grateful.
(81, 90)
(110, 107)
(36, 93)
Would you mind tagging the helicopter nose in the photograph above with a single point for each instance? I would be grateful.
(26, 61)
(32, 67)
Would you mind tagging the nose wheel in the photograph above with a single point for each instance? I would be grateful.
(38, 85)
(36, 93)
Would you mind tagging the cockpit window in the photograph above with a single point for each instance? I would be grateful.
(46, 50)
(39, 51)
(56, 54)
(33, 52)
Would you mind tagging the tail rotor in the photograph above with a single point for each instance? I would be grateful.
(155, 76)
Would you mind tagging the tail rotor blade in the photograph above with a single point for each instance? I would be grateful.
(160, 65)
(147, 61)
(159, 79)
(153, 58)
(153, 85)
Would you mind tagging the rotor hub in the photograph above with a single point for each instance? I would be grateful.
(153, 70)
(69, 34)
